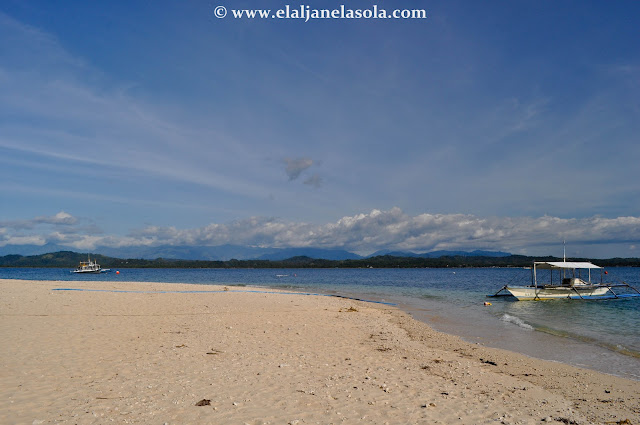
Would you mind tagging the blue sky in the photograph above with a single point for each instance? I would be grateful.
(506, 125)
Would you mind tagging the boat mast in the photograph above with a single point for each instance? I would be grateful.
(564, 257)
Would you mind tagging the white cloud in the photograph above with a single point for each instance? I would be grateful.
(362, 233)
(394, 229)
(23, 240)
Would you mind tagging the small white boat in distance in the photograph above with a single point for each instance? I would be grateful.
(89, 267)
(571, 284)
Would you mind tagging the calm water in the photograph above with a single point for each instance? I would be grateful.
(602, 335)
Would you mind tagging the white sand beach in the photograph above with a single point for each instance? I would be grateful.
(158, 356)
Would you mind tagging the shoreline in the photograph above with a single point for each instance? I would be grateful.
(535, 343)
(269, 357)
(511, 334)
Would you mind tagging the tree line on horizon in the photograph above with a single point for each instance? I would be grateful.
(70, 259)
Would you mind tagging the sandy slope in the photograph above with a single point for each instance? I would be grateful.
(96, 357)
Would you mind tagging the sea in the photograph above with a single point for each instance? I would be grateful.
(602, 335)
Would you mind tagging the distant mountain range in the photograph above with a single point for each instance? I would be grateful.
(438, 254)
(70, 259)
(228, 252)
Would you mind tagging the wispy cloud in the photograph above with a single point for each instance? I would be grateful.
(64, 109)
(451, 115)
(315, 181)
(60, 219)
(295, 166)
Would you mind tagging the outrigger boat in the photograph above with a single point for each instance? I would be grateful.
(89, 267)
(573, 286)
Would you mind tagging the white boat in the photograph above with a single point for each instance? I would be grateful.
(89, 267)
(567, 287)
(573, 282)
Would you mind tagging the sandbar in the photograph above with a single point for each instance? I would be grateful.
(161, 353)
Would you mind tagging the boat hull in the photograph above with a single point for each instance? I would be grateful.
(529, 293)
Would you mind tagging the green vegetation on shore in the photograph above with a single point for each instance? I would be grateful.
(69, 259)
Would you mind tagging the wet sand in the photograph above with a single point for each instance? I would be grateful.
(233, 357)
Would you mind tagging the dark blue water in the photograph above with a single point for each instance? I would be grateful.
(603, 335)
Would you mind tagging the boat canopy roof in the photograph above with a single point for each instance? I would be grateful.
(564, 265)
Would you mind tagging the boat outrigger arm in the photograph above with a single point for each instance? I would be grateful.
(568, 287)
